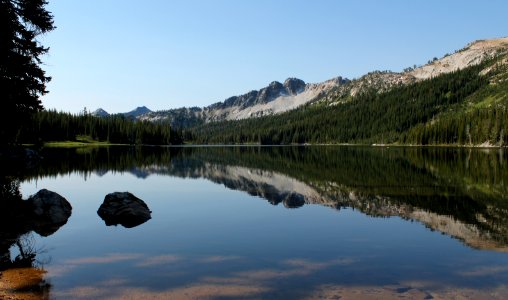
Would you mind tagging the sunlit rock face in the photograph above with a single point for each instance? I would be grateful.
(125, 209)
(273, 99)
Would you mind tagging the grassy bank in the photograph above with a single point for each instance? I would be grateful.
(80, 141)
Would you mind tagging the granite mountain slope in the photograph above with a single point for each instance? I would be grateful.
(275, 98)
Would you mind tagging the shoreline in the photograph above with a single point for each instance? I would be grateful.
(24, 283)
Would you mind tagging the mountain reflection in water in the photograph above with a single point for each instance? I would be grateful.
(459, 192)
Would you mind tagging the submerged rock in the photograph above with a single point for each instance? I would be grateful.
(50, 211)
(125, 209)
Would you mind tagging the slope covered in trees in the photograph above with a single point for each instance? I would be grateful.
(463, 107)
(480, 119)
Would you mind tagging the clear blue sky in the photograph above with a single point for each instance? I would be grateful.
(119, 54)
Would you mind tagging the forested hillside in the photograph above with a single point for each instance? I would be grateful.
(465, 107)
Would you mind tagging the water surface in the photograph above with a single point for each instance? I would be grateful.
(278, 222)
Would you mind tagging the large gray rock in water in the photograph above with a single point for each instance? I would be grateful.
(50, 211)
(125, 209)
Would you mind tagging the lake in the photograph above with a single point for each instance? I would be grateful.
(306, 222)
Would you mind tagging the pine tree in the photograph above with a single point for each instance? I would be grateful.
(22, 81)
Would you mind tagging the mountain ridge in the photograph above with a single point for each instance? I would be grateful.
(279, 97)
(472, 54)
(275, 98)
(465, 107)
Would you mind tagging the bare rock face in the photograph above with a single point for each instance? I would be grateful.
(50, 211)
(294, 86)
(125, 209)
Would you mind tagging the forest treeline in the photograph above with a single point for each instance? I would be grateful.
(461, 108)
(49, 125)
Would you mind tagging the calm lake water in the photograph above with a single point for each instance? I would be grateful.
(278, 222)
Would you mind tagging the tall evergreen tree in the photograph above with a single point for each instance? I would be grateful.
(22, 81)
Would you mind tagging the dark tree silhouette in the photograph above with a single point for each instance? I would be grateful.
(22, 81)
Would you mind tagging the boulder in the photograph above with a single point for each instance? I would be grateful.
(125, 209)
(50, 211)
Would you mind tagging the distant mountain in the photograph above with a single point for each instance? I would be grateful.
(135, 113)
(141, 110)
(100, 113)
(275, 98)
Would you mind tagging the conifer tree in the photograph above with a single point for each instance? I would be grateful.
(22, 80)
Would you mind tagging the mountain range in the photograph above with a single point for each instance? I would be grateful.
(279, 97)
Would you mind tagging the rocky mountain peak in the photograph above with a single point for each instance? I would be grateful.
(269, 93)
(275, 85)
(291, 87)
(140, 110)
(99, 112)
(294, 86)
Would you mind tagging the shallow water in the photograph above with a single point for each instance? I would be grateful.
(278, 222)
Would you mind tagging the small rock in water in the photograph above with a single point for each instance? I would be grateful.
(125, 209)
